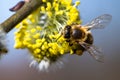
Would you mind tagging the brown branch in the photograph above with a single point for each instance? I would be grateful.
(11, 22)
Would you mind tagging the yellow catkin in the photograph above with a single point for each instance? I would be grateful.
(33, 30)
(77, 3)
(45, 40)
(44, 0)
(43, 8)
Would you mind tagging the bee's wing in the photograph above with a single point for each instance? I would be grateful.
(99, 22)
(95, 52)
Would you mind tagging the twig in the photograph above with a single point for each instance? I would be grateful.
(21, 14)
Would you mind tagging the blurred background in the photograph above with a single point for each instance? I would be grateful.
(15, 65)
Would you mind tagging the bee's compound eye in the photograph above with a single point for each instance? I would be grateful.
(77, 34)
(67, 31)
(67, 34)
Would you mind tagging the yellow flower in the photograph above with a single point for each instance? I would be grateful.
(77, 3)
(36, 36)
(66, 2)
(43, 0)
(48, 6)
(37, 50)
(42, 8)
(33, 30)
(49, 14)
(40, 32)
(18, 45)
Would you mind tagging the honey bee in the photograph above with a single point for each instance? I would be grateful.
(81, 35)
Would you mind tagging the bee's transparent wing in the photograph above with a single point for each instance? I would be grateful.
(99, 22)
(95, 52)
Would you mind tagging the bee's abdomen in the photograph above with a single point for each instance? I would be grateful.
(89, 39)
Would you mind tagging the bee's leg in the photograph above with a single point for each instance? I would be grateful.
(79, 52)
(68, 40)
(70, 44)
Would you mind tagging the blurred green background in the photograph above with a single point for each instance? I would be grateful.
(15, 65)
